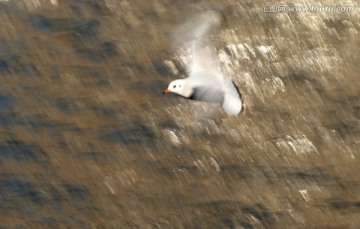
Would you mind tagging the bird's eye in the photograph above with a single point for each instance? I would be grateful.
(174, 86)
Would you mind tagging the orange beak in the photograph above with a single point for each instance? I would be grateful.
(166, 91)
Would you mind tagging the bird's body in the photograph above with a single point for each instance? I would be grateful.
(205, 82)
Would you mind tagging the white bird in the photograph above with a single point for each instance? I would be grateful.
(205, 81)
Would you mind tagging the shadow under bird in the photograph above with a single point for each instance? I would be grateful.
(205, 80)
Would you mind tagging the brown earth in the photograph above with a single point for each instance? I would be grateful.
(88, 141)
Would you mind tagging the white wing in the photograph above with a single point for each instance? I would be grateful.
(232, 100)
(195, 33)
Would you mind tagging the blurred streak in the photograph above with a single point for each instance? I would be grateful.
(299, 145)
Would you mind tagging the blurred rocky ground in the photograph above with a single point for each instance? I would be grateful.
(88, 141)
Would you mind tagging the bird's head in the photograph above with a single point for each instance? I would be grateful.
(177, 87)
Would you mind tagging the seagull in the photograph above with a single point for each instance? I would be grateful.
(205, 81)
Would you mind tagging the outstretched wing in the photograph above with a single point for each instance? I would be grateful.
(194, 34)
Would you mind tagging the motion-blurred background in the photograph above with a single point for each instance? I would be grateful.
(88, 141)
